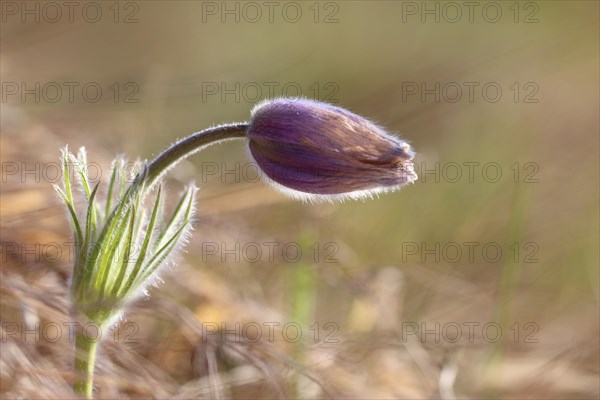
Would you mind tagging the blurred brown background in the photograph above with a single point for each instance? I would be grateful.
(500, 101)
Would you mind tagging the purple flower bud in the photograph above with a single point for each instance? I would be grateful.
(315, 151)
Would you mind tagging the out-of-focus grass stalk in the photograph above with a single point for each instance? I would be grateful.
(302, 281)
(508, 277)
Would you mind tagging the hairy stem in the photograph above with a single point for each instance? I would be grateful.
(85, 357)
(190, 145)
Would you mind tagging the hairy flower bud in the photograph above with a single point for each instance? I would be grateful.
(315, 151)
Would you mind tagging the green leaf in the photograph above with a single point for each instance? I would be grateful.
(105, 235)
(134, 273)
(109, 197)
(114, 246)
(177, 217)
(67, 179)
(82, 172)
(128, 245)
(76, 226)
(161, 255)
(166, 248)
(90, 225)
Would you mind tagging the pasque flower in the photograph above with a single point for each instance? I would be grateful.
(313, 150)
(307, 149)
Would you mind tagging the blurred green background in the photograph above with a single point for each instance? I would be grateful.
(527, 110)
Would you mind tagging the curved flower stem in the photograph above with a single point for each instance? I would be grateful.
(179, 151)
(85, 358)
(190, 145)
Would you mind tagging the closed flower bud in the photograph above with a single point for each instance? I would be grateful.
(315, 151)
